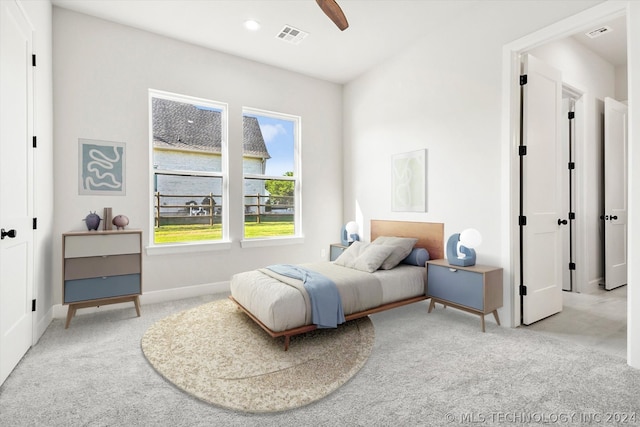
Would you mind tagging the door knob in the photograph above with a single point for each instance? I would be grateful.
(562, 221)
(11, 234)
(613, 217)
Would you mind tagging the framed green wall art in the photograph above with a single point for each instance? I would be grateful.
(101, 167)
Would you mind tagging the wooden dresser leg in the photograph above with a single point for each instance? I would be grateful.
(136, 302)
(495, 314)
(71, 312)
(482, 321)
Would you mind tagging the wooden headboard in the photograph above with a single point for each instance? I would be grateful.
(430, 234)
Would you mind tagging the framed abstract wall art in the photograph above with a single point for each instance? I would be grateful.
(101, 167)
(409, 182)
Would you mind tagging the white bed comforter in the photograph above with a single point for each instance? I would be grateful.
(281, 303)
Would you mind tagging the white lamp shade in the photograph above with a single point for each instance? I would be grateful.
(351, 227)
(471, 238)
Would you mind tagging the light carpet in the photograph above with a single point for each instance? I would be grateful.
(216, 353)
(425, 369)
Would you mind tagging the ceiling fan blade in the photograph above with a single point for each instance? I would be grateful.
(333, 11)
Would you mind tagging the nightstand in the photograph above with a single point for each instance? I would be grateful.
(476, 289)
(335, 250)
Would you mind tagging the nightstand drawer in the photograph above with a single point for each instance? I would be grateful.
(335, 250)
(456, 285)
(101, 287)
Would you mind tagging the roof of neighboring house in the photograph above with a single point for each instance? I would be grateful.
(182, 126)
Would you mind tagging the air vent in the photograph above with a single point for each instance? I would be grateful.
(291, 35)
(599, 31)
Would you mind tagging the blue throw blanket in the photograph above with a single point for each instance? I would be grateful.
(326, 305)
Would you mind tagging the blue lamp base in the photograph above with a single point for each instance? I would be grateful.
(346, 239)
(469, 255)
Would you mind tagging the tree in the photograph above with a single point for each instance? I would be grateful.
(280, 190)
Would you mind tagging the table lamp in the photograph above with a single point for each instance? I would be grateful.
(460, 247)
(349, 233)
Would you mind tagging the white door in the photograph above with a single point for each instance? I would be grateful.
(16, 201)
(541, 191)
(615, 193)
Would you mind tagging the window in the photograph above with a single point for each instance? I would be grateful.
(271, 170)
(189, 153)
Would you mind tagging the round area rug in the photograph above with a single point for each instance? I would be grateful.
(216, 353)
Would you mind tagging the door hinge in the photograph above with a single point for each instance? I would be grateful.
(33, 60)
(523, 290)
(522, 150)
(35, 223)
(522, 220)
(572, 266)
(572, 215)
(33, 305)
(35, 141)
(572, 165)
(572, 115)
(523, 80)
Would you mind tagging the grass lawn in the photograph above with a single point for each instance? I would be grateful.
(196, 232)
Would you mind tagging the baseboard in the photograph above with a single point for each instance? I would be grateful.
(592, 286)
(42, 325)
(153, 297)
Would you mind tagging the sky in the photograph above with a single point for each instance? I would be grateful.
(279, 136)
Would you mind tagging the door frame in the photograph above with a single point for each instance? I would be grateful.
(511, 57)
(582, 98)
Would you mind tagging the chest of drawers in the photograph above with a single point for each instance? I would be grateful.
(100, 268)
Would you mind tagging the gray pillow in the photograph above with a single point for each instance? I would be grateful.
(402, 245)
(364, 256)
(348, 257)
(372, 258)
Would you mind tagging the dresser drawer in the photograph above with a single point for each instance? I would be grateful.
(101, 244)
(455, 285)
(101, 287)
(108, 265)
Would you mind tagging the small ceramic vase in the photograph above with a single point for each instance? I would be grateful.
(120, 221)
(92, 220)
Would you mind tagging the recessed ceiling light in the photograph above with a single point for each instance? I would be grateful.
(251, 25)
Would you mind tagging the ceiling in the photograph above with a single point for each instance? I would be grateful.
(378, 29)
(611, 45)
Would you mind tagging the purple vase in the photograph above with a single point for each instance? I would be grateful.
(92, 220)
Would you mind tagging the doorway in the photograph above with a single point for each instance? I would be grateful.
(513, 52)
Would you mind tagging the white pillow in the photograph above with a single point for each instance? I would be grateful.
(364, 256)
(402, 245)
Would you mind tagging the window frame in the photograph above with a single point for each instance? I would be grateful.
(192, 246)
(298, 236)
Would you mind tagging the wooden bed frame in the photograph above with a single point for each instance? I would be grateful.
(430, 236)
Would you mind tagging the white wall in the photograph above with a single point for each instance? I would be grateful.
(443, 93)
(39, 13)
(102, 72)
(584, 69)
(633, 291)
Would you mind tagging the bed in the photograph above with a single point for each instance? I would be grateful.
(280, 305)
